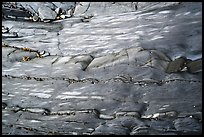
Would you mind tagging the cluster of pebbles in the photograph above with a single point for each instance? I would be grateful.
(46, 12)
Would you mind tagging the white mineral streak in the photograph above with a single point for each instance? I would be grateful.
(72, 93)
(35, 110)
(69, 96)
(35, 121)
(40, 95)
(25, 89)
(164, 12)
(97, 97)
(48, 90)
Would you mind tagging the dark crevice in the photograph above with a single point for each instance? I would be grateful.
(95, 81)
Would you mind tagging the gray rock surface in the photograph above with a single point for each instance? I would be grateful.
(106, 76)
(46, 13)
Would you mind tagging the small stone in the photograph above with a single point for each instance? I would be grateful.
(194, 66)
(35, 18)
(5, 29)
(4, 105)
(26, 59)
(62, 16)
(58, 17)
(176, 65)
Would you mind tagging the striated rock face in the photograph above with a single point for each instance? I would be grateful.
(110, 69)
(110, 8)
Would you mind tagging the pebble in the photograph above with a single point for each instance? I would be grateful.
(5, 29)
(35, 18)
(194, 66)
(176, 65)
(4, 105)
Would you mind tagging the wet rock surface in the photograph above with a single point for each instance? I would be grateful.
(119, 73)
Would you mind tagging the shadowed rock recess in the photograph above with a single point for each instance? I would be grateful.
(103, 68)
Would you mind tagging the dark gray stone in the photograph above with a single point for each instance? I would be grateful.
(176, 65)
(194, 66)
(187, 124)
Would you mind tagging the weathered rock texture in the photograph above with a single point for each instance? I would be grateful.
(107, 75)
